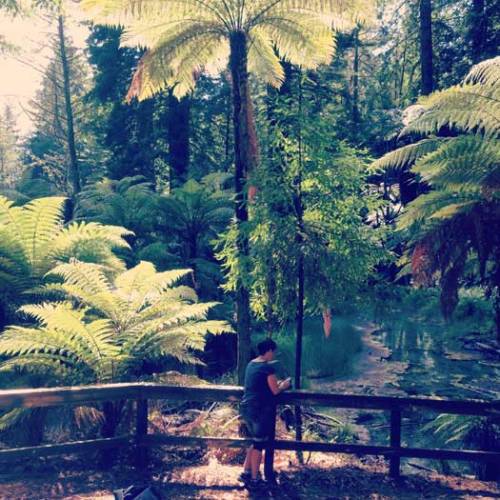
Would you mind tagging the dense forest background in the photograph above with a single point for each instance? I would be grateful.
(365, 178)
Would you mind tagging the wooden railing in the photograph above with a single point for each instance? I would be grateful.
(142, 440)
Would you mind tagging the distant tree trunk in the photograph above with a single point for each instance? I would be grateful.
(245, 157)
(426, 64)
(402, 76)
(178, 138)
(227, 138)
(477, 30)
(70, 130)
(355, 82)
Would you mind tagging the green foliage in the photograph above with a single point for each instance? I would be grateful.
(191, 217)
(129, 202)
(323, 357)
(339, 247)
(33, 238)
(470, 431)
(108, 327)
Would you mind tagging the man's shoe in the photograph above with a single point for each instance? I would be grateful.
(245, 476)
(256, 484)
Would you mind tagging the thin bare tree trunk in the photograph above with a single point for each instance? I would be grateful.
(478, 30)
(70, 130)
(178, 128)
(426, 63)
(299, 315)
(355, 82)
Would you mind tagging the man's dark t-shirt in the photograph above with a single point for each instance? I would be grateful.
(257, 394)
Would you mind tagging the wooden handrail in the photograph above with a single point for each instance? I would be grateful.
(31, 398)
(142, 392)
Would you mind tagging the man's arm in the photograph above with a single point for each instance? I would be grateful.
(276, 385)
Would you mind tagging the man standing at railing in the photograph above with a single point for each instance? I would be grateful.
(257, 407)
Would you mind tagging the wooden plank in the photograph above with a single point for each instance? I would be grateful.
(395, 460)
(357, 449)
(233, 394)
(35, 398)
(195, 393)
(269, 455)
(63, 448)
(141, 430)
(29, 398)
(459, 407)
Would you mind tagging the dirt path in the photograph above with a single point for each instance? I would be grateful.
(324, 477)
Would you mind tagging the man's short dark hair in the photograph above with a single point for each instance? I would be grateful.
(266, 345)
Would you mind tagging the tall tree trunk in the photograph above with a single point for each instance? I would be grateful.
(355, 82)
(477, 30)
(245, 157)
(299, 316)
(426, 65)
(178, 138)
(70, 130)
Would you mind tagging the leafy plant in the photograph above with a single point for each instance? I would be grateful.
(470, 431)
(111, 327)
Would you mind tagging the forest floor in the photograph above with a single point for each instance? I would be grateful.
(186, 476)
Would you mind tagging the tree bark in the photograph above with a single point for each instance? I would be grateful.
(477, 30)
(355, 83)
(178, 138)
(299, 317)
(245, 158)
(426, 63)
(74, 173)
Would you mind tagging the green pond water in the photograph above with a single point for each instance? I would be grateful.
(438, 364)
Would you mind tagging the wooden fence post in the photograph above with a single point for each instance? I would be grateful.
(395, 460)
(269, 457)
(140, 432)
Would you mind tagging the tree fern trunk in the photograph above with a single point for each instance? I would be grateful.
(426, 64)
(245, 157)
(70, 130)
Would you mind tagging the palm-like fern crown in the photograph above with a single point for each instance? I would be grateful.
(33, 238)
(462, 166)
(121, 321)
(185, 37)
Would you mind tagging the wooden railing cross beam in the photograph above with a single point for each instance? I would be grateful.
(142, 441)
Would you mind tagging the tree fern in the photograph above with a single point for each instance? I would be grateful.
(196, 35)
(111, 325)
(460, 160)
(33, 238)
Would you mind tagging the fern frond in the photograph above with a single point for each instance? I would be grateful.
(407, 155)
(485, 73)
